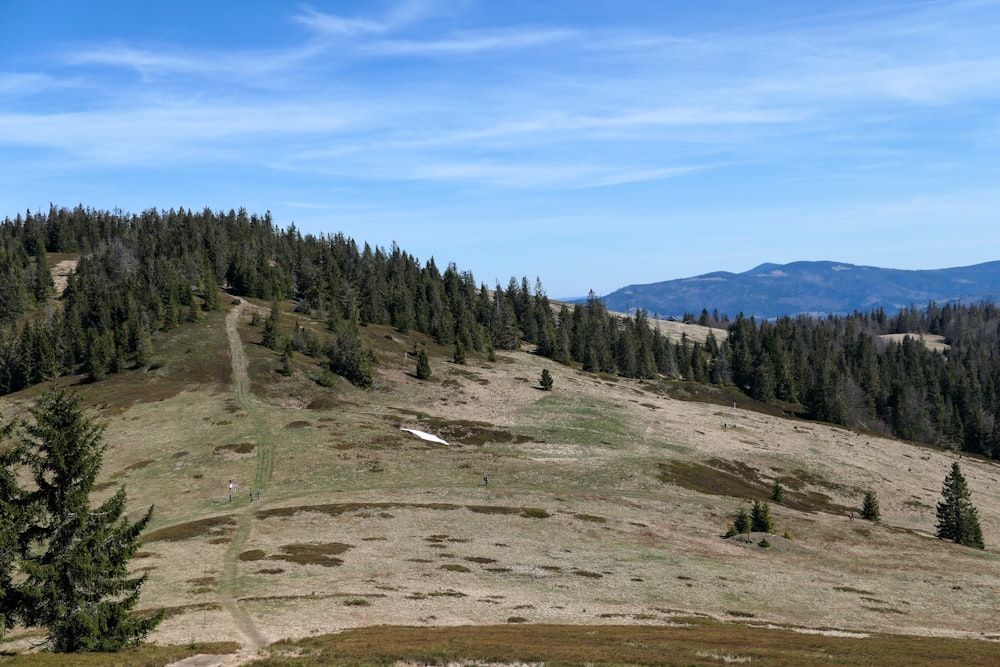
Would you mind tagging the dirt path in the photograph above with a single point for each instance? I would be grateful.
(253, 638)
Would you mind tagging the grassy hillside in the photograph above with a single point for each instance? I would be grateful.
(605, 505)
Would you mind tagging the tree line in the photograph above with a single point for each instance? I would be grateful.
(141, 274)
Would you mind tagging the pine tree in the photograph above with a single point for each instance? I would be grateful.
(957, 518)
(12, 517)
(777, 491)
(210, 291)
(869, 506)
(75, 558)
(272, 328)
(286, 360)
(742, 523)
(349, 357)
(459, 356)
(760, 517)
(423, 365)
(546, 380)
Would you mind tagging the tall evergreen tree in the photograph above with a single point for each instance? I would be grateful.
(12, 519)
(349, 357)
(272, 328)
(777, 492)
(760, 517)
(742, 523)
(869, 506)
(75, 558)
(546, 380)
(423, 365)
(957, 518)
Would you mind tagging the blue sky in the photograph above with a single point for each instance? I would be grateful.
(591, 144)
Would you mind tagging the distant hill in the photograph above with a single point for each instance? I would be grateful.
(821, 288)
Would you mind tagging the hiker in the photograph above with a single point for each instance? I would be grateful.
(486, 480)
(251, 496)
(852, 516)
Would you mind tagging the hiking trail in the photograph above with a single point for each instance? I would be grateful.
(260, 436)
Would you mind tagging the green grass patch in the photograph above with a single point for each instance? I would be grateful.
(582, 421)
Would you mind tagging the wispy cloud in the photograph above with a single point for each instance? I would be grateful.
(337, 26)
(578, 106)
(14, 84)
(243, 67)
(638, 176)
(470, 42)
(168, 134)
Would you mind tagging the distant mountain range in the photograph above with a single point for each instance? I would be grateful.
(817, 288)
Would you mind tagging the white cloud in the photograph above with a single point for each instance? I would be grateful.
(338, 26)
(15, 84)
(470, 42)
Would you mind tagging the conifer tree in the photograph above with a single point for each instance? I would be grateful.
(869, 506)
(349, 357)
(742, 523)
(272, 328)
(459, 355)
(777, 491)
(546, 380)
(760, 517)
(12, 517)
(74, 558)
(286, 359)
(957, 518)
(210, 291)
(423, 365)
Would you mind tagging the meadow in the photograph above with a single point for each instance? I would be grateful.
(597, 539)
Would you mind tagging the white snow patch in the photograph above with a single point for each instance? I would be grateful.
(424, 436)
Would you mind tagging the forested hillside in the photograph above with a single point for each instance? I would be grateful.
(138, 275)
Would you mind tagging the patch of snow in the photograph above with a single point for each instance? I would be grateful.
(424, 436)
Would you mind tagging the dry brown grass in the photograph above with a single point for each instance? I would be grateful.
(688, 641)
(931, 341)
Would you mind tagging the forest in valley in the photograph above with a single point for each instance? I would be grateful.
(142, 274)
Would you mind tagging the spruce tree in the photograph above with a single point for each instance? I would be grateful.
(957, 518)
(777, 491)
(272, 328)
(286, 360)
(546, 380)
(760, 517)
(210, 291)
(423, 365)
(349, 357)
(742, 523)
(12, 519)
(869, 506)
(74, 558)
